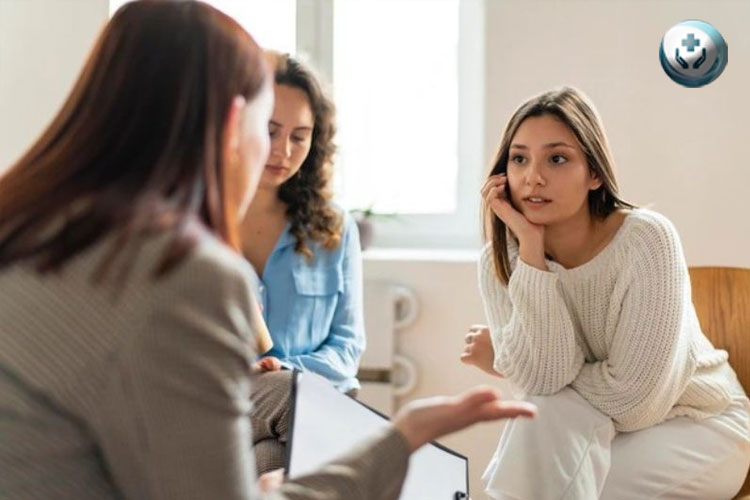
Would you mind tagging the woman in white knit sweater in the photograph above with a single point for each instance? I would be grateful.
(589, 308)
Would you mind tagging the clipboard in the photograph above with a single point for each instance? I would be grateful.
(325, 424)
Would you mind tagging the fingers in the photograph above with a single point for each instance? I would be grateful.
(269, 364)
(505, 211)
(500, 205)
(266, 363)
(494, 180)
(274, 363)
(474, 332)
(496, 183)
(506, 409)
(474, 344)
(468, 352)
(270, 481)
(484, 404)
(478, 396)
(467, 356)
(495, 195)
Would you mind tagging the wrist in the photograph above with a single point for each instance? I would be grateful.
(533, 255)
(411, 435)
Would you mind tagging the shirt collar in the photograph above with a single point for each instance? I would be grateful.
(286, 237)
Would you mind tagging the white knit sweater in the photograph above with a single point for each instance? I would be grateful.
(621, 329)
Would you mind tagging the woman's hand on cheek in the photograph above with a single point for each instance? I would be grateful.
(530, 236)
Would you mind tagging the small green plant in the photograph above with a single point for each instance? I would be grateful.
(370, 213)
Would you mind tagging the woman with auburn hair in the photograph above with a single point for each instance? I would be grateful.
(126, 339)
(589, 310)
(305, 250)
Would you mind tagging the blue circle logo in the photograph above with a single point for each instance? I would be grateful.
(693, 53)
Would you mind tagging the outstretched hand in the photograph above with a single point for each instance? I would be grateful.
(424, 420)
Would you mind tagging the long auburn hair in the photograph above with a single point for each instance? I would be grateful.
(574, 109)
(136, 147)
(308, 193)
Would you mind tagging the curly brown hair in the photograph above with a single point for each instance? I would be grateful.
(308, 193)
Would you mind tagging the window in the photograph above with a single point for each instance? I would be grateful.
(408, 80)
(396, 89)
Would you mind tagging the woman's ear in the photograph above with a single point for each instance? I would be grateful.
(232, 136)
(233, 174)
(594, 181)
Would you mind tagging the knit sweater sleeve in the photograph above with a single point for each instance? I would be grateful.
(650, 361)
(531, 329)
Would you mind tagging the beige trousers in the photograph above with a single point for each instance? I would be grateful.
(271, 397)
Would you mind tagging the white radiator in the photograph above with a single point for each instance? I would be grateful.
(384, 373)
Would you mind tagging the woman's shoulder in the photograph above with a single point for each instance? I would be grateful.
(349, 231)
(646, 229)
(646, 217)
(210, 264)
(348, 223)
(652, 247)
(348, 245)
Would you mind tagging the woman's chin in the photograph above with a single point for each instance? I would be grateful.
(270, 182)
(538, 218)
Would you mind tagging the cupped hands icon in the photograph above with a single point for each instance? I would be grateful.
(682, 62)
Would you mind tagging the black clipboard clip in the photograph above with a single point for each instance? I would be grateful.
(460, 495)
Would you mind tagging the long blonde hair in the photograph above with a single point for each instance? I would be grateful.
(574, 109)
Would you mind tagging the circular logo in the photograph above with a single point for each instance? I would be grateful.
(693, 53)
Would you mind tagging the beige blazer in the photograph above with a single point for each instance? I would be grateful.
(143, 391)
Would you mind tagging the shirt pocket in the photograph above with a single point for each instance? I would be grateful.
(317, 290)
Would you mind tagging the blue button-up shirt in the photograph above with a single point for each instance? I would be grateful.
(314, 309)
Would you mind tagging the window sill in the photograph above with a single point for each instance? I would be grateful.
(420, 255)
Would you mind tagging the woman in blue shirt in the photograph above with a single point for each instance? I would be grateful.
(305, 251)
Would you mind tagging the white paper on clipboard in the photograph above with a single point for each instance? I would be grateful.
(327, 424)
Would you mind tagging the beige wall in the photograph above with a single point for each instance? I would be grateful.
(43, 44)
(681, 150)
(448, 303)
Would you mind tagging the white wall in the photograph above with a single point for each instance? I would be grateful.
(43, 44)
(449, 304)
(679, 150)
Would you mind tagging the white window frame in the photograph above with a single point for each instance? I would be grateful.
(460, 229)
